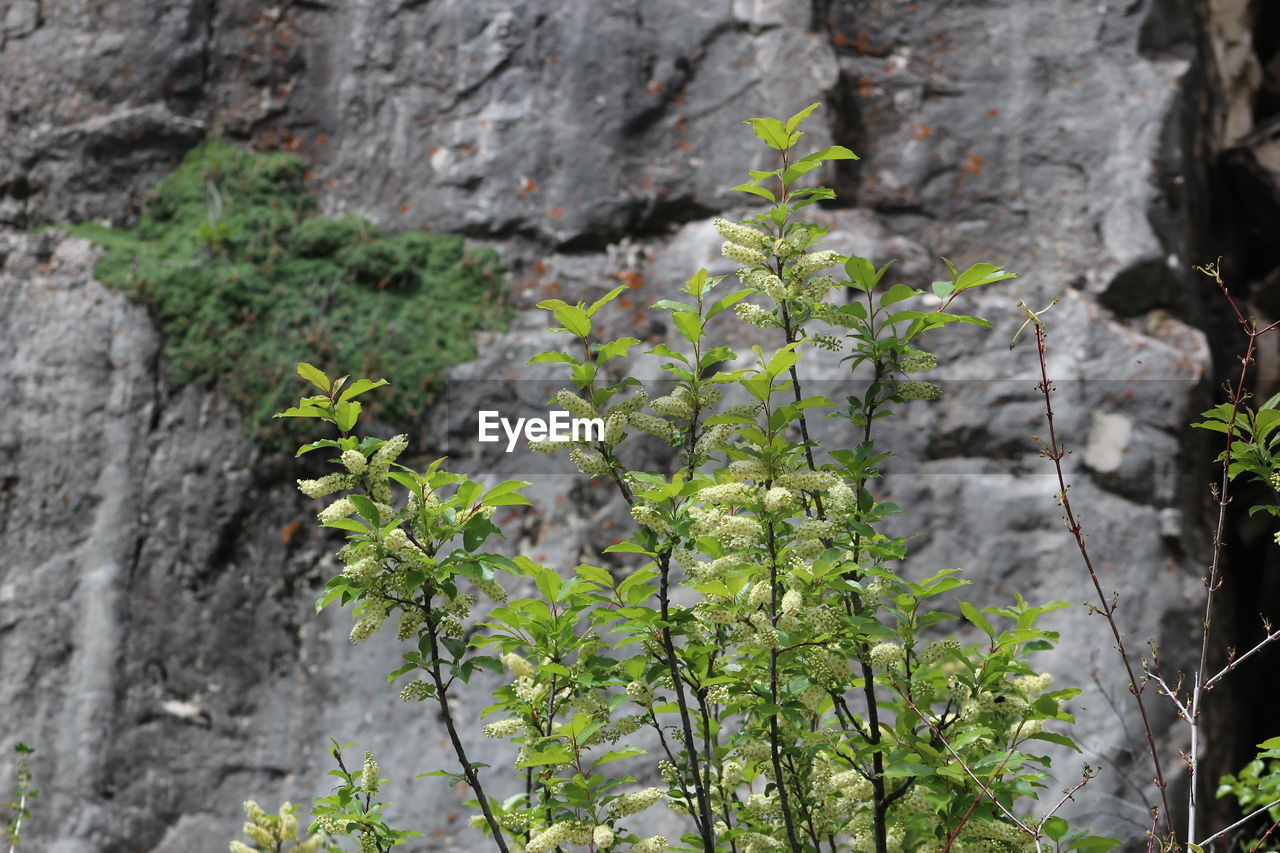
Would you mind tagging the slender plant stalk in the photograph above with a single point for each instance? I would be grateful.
(1055, 451)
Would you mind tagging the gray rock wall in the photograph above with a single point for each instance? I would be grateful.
(157, 640)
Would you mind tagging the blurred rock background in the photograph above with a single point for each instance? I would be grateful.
(157, 642)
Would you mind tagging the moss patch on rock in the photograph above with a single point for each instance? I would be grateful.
(246, 281)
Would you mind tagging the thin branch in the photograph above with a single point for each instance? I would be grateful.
(1108, 608)
(1275, 635)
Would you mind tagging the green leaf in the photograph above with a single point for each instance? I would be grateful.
(506, 493)
(1055, 828)
(553, 754)
(794, 121)
(574, 319)
(605, 300)
(772, 132)
(835, 152)
(897, 293)
(360, 386)
(1100, 844)
(943, 289)
(690, 325)
(315, 376)
(971, 613)
(755, 189)
(697, 283)
(366, 509)
(476, 531)
(346, 414)
(545, 357)
(616, 348)
(727, 302)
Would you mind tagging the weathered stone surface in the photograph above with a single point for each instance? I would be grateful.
(158, 644)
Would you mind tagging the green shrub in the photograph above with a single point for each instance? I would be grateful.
(245, 281)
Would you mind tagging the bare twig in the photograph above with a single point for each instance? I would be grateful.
(1107, 607)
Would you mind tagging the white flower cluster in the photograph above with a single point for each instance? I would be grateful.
(546, 445)
(561, 832)
(653, 844)
(766, 281)
(814, 262)
(743, 234)
(354, 461)
(388, 453)
(807, 481)
(730, 494)
(714, 438)
(369, 774)
(340, 508)
(518, 666)
(792, 601)
(602, 836)
(749, 469)
(744, 255)
(629, 804)
(779, 499)
(759, 317)
(614, 426)
(502, 728)
(371, 619)
(885, 655)
(324, 486)
(649, 518)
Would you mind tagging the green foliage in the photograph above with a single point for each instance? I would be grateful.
(1257, 786)
(19, 807)
(277, 833)
(245, 279)
(808, 699)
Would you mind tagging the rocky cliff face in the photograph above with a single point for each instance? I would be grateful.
(158, 643)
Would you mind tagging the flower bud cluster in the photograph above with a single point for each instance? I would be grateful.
(918, 362)
(650, 518)
(575, 405)
(792, 601)
(656, 426)
(546, 445)
(714, 438)
(416, 691)
(371, 619)
(640, 693)
(937, 650)
(590, 462)
(749, 469)
(653, 844)
(614, 426)
(602, 836)
(915, 390)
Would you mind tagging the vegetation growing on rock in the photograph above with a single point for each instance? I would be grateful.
(245, 280)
